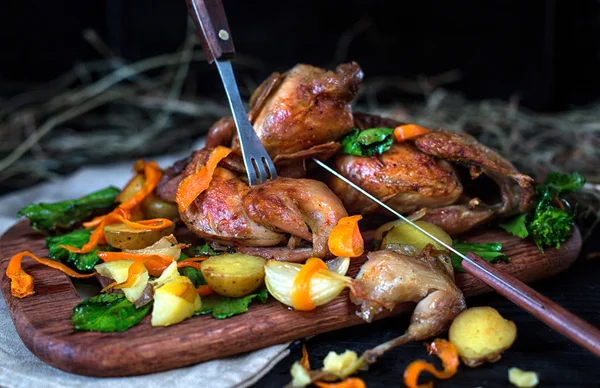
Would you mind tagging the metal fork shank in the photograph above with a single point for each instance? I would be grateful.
(249, 142)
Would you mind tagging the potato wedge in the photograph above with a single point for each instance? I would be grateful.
(124, 237)
(235, 274)
(119, 270)
(131, 188)
(403, 233)
(153, 207)
(174, 301)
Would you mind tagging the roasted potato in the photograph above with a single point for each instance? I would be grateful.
(480, 335)
(131, 188)
(124, 237)
(405, 234)
(235, 274)
(174, 301)
(153, 207)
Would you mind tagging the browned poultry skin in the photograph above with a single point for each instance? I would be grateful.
(389, 278)
(406, 179)
(517, 189)
(301, 207)
(232, 213)
(420, 176)
(308, 107)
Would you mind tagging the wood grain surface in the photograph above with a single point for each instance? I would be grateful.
(43, 320)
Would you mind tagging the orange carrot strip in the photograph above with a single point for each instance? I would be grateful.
(446, 351)
(301, 299)
(353, 382)
(408, 131)
(304, 360)
(153, 224)
(21, 283)
(192, 186)
(94, 222)
(152, 175)
(205, 290)
(345, 238)
(155, 264)
(184, 263)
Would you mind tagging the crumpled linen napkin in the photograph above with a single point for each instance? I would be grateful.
(19, 368)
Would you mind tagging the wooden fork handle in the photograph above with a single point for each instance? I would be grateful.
(547, 311)
(212, 28)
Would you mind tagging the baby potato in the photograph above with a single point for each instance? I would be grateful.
(235, 274)
(153, 207)
(405, 234)
(174, 301)
(131, 188)
(124, 237)
(481, 334)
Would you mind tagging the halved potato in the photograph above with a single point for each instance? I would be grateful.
(131, 188)
(124, 237)
(154, 207)
(406, 234)
(235, 274)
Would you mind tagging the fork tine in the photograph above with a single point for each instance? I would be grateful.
(260, 168)
(270, 167)
(251, 172)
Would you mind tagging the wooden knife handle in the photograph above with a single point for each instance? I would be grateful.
(212, 28)
(547, 311)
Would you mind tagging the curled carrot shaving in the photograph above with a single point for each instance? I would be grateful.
(152, 175)
(133, 274)
(153, 224)
(22, 283)
(345, 238)
(408, 131)
(192, 186)
(353, 382)
(155, 264)
(301, 299)
(94, 222)
(304, 360)
(193, 264)
(446, 351)
(205, 290)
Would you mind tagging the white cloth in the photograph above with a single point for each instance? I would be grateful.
(19, 368)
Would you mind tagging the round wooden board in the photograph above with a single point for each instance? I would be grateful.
(43, 320)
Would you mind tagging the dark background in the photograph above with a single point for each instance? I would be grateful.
(547, 52)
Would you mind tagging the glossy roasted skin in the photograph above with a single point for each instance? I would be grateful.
(422, 174)
(389, 278)
(405, 178)
(231, 213)
(298, 114)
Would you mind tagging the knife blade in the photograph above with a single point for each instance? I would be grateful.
(553, 315)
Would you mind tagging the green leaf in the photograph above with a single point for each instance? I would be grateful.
(107, 313)
(373, 141)
(557, 183)
(49, 218)
(517, 226)
(82, 262)
(202, 250)
(223, 307)
(490, 252)
(194, 275)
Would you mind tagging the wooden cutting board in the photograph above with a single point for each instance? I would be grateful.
(43, 320)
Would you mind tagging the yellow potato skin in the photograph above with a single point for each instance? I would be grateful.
(123, 237)
(235, 274)
(405, 234)
(481, 334)
(153, 207)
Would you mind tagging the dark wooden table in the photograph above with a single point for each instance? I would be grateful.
(558, 362)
